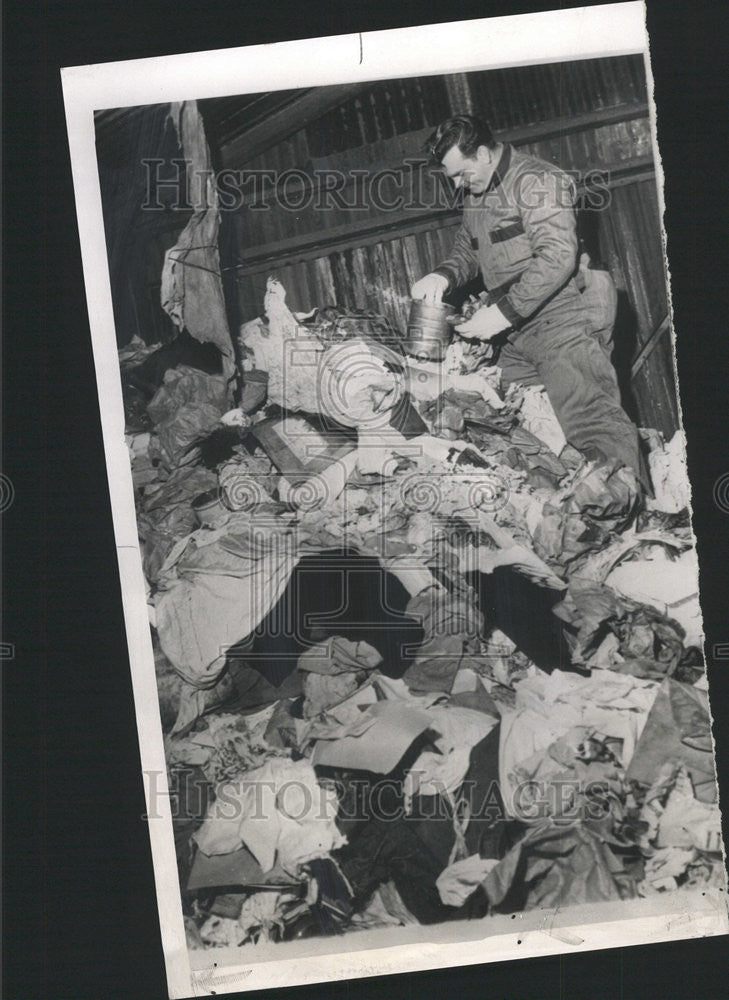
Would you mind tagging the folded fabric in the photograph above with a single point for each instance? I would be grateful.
(339, 656)
(603, 499)
(548, 708)
(379, 747)
(452, 624)
(278, 811)
(678, 729)
(213, 596)
(557, 865)
(442, 770)
(461, 879)
(649, 643)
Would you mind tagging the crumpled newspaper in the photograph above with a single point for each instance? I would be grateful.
(668, 474)
(538, 416)
(286, 350)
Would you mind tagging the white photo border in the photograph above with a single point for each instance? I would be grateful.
(489, 43)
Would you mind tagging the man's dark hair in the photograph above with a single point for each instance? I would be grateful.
(464, 131)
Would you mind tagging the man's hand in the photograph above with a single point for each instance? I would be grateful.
(431, 288)
(485, 324)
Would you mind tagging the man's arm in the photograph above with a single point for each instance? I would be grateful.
(546, 204)
(462, 265)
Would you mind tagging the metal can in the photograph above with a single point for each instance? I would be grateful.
(429, 332)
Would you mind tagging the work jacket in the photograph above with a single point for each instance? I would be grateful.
(520, 234)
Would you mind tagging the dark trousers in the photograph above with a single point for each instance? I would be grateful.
(567, 349)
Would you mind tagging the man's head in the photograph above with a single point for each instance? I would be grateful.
(466, 148)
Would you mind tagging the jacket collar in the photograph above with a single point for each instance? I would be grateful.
(502, 168)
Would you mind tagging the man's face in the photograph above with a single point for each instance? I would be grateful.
(472, 173)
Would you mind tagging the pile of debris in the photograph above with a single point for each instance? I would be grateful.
(480, 776)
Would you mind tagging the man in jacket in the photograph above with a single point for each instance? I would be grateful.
(519, 232)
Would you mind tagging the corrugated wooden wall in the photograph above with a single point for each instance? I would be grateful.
(630, 238)
(377, 277)
(523, 95)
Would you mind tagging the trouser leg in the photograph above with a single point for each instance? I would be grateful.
(515, 367)
(575, 369)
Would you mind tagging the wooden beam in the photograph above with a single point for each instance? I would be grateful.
(556, 127)
(396, 224)
(345, 237)
(299, 113)
(650, 345)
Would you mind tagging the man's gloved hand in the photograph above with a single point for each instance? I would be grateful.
(485, 324)
(431, 288)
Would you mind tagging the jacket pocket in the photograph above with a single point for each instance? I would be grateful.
(509, 244)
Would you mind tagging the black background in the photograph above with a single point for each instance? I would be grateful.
(80, 917)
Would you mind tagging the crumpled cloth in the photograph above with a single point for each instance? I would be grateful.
(165, 514)
(191, 289)
(286, 351)
(684, 821)
(324, 691)
(278, 811)
(214, 595)
(538, 416)
(186, 406)
(357, 384)
(338, 655)
(548, 708)
(261, 912)
(177, 436)
(669, 585)
(678, 728)
(583, 516)
(385, 909)
(442, 771)
(186, 384)
(334, 670)
(557, 865)
(195, 702)
(394, 849)
(449, 414)
(648, 643)
(664, 867)
(452, 625)
(461, 879)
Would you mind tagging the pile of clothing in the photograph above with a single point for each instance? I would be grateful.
(335, 785)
